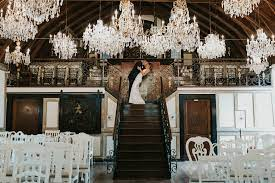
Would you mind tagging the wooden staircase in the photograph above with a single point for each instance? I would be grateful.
(141, 149)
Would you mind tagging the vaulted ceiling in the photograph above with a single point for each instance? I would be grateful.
(81, 12)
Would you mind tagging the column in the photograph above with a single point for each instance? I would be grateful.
(3, 70)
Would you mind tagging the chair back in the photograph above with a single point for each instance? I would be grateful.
(52, 133)
(265, 141)
(19, 138)
(199, 146)
(252, 167)
(61, 160)
(32, 164)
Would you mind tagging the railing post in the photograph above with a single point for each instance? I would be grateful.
(103, 76)
(273, 75)
(178, 74)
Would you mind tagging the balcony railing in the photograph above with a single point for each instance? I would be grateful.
(64, 74)
(208, 74)
(101, 73)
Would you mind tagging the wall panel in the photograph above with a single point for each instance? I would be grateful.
(226, 110)
(263, 110)
(50, 113)
(245, 103)
(2, 99)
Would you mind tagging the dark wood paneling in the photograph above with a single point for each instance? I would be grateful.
(25, 116)
(197, 118)
(80, 113)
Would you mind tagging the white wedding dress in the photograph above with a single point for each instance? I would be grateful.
(135, 96)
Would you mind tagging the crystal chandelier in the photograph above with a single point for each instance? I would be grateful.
(17, 57)
(214, 47)
(182, 34)
(15, 26)
(103, 39)
(239, 8)
(258, 50)
(130, 27)
(63, 45)
(39, 10)
(157, 43)
(257, 65)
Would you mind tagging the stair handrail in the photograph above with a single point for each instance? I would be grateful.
(167, 134)
(117, 128)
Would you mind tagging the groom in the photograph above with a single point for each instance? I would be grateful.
(139, 66)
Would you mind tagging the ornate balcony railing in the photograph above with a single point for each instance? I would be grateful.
(65, 74)
(219, 74)
(101, 73)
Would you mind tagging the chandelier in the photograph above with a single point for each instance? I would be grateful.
(38, 10)
(130, 27)
(63, 45)
(214, 47)
(157, 43)
(182, 34)
(257, 65)
(258, 50)
(103, 39)
(239, 8)
(15, 26)
(17, 57)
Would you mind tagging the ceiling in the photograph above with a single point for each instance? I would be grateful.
(80, 12)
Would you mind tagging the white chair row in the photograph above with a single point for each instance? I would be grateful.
(63, 160)
(236, 162)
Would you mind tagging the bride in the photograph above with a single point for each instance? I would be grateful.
(135, 96)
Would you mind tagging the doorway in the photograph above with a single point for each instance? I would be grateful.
(197, 118)
(24, 113)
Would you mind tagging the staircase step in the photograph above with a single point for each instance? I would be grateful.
(143, 131)
(140, 139)
(140, 106)
(140, 155)
(141, 118)
(140, 147)
(135, 124)
(141, 164)
(140, 114)
(146, 112)
(142, 174)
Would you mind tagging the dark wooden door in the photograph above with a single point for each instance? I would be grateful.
(25, 116)
(197, 119)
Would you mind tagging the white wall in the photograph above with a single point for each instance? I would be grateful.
(50, 113)
(2, 99)
(245, 111)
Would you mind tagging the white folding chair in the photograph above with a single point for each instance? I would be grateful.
(209, 167)
(252, 167)
(52, 133)
(19, 138)
(84, 144)
(61, 162)
(6, 171)
(32, 164)
(265, 141)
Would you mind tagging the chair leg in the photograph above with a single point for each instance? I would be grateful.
(87, 177)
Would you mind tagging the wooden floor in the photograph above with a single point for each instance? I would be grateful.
(101, 176)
